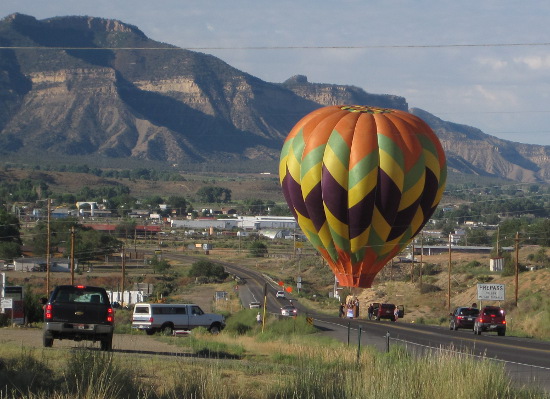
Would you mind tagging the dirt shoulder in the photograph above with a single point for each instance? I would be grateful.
(29, 337)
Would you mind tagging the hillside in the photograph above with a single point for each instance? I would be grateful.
(84, 88)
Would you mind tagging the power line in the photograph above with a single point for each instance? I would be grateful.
(304, 47)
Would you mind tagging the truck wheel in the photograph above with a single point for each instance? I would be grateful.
(215, 329)
(107, 343)
(48, 341)
(501, 333)
(167, 329)
(150, 331)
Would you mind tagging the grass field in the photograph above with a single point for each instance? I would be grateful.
(287, 360)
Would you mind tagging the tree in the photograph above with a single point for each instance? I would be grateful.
(178, 203)
(153, 201)
(10, 237)
(258, 249)
(279, 210)
(477, 237)
(159, 265)
(255, 206)
(214, 194)
(212, 271)
(32, 306)
(89, 243)
(126, 228)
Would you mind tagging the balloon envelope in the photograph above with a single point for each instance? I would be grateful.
(361, 182)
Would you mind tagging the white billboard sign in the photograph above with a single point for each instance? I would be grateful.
(6, 303)
(491, 292)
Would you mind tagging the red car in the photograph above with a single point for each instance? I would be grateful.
(385, 311)
(491, 318)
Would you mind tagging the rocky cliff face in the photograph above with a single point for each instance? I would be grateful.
(471, 151)
(182, 106)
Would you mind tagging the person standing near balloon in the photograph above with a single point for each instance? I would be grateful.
(341, 310)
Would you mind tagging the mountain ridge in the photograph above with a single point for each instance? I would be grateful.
(87, 86)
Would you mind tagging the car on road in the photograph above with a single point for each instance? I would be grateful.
(280, 294)
(491, 318)
(79, 313)
(463, 317)
(254, 305)
(384, 311)
(289, 310)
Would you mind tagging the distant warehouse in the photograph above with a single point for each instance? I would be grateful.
(244, 222)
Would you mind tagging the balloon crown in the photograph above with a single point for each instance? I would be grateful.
(366, 109)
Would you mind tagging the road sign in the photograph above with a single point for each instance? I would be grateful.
(6, 303)
(491, 292)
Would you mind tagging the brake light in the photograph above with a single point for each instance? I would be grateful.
(80, 287)
(150, 319)
(459, 317)
(110, 315)
(48, 314)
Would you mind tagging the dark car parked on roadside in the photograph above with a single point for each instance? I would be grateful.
(491, 318)
(79, 312)
(463, 317)
(386, 311)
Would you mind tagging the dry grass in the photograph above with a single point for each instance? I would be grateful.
(242, 185)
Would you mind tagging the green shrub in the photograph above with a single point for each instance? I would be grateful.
(241, 322)
(257, 249)
(25, 374)
(208, 271)
(92, 374)
(428, 288)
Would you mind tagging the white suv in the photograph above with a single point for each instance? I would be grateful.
(280, 294)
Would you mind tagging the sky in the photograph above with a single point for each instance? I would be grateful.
(482, 63)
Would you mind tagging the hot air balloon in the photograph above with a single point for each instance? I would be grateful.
(361, 182)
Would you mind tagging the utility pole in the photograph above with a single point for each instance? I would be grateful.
(421, 260)
(498, 242)
(412, 264)
(72, 255)
(517, 267)
(449, 279)
(48, 250)
(123, 254)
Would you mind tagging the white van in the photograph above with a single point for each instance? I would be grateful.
(167, 317)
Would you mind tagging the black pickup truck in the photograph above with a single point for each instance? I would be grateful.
(79, 313)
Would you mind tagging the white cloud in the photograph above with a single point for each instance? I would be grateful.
(534, 62)
(492, 63)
